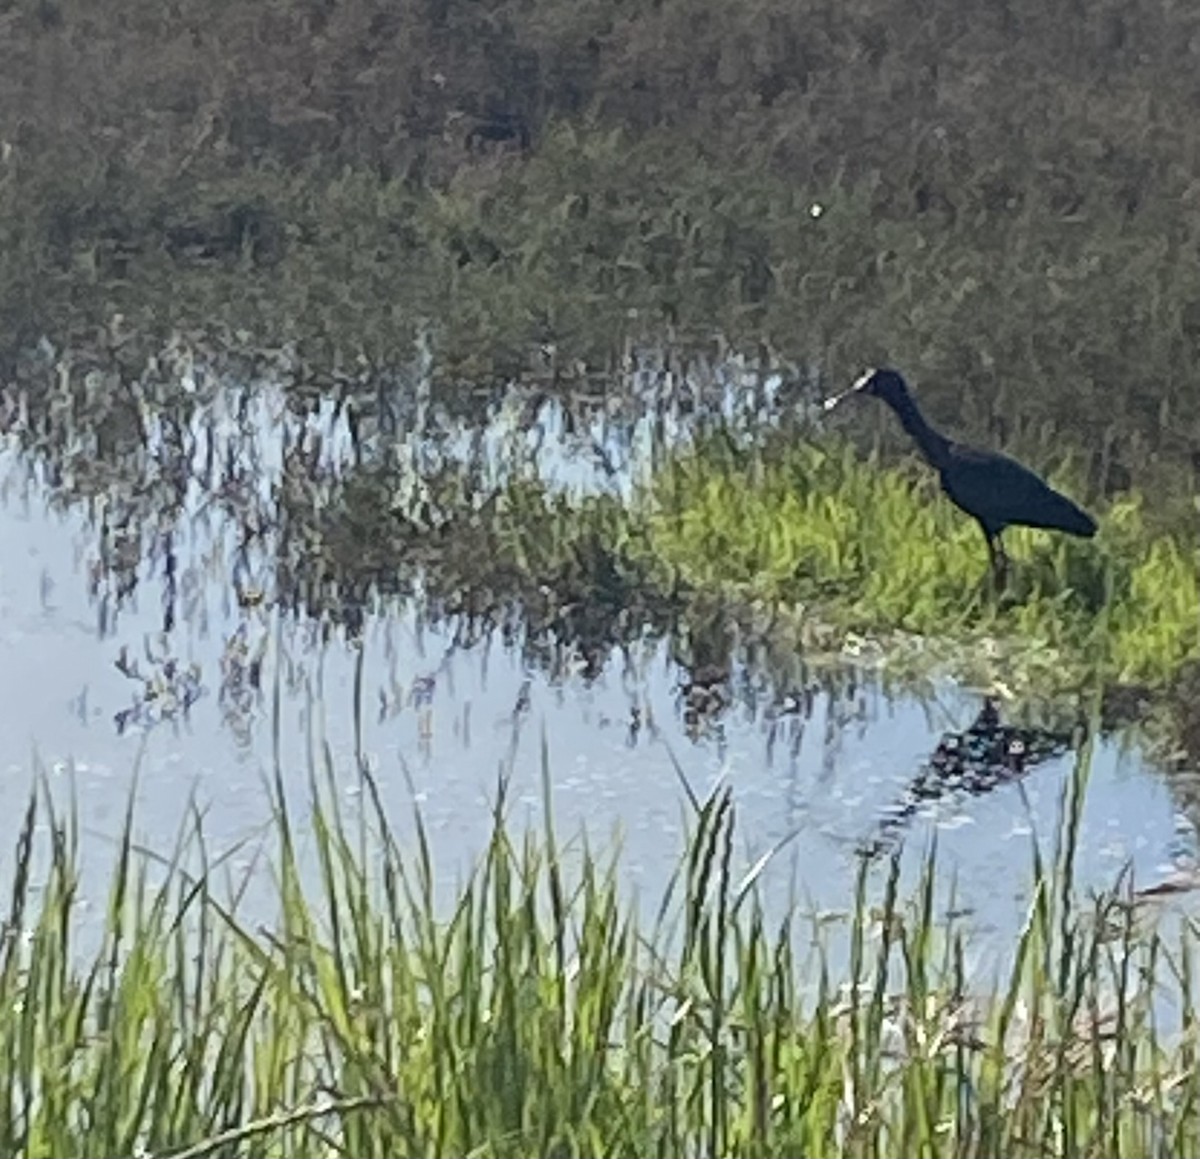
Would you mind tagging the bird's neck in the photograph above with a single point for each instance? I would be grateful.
(935, 447)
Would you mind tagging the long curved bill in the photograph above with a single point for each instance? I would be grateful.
(859, 383)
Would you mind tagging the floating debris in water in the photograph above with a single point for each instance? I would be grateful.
(166, 693)
(1180, 881)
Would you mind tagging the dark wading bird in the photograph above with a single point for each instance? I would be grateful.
(998, 491)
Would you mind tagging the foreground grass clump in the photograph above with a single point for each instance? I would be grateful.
(536, 1016)
(842, 542)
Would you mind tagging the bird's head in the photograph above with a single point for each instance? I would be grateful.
(878, 383)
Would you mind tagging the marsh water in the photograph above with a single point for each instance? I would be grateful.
(155, 676)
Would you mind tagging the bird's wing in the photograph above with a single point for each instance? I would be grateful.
(999, 489)
(994, 484)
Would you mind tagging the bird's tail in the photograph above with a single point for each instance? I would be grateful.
(1073, 519)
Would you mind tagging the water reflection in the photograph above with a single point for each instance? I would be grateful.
(980, 759)
(217, 580)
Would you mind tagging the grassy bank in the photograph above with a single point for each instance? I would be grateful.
(537, 1016)
(840, 545)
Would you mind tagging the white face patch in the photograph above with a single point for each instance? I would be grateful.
(864, 378)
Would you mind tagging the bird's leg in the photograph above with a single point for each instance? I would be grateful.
(996, 557)
(999, 561)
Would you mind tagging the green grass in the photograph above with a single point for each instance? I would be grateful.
(844, 546)
(536, 1014)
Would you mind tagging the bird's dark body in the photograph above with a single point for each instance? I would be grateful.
(998, 491)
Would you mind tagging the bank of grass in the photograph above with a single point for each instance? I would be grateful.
(842, 547)
(537, 1014)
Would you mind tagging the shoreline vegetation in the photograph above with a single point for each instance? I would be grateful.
(541, 1015)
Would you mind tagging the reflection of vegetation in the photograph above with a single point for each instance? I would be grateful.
(805, 547)
(543, 1019)
(794, 549)
(566, 577)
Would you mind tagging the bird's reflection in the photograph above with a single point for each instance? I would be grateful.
(984, 756)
